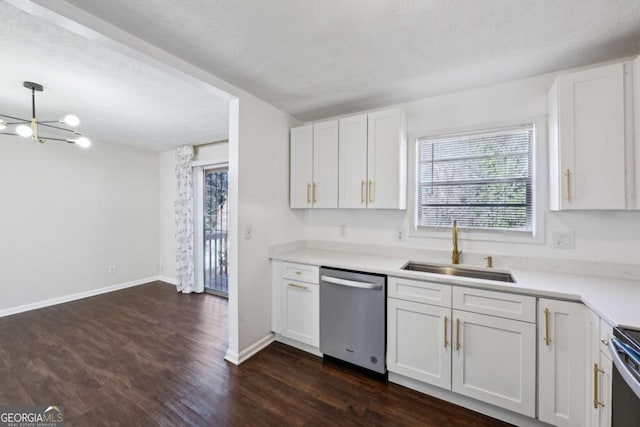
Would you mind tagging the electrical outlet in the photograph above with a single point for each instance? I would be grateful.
(400, 235)
(563, 239)
(111, 269)
(343, 231)
(248, 232)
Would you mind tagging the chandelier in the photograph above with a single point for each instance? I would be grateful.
(30, 128)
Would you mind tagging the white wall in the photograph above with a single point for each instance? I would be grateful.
(602, 236)
(262, 156)
(67, 214)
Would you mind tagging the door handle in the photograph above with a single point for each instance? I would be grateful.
(446, 319)
(308, 193)
(370, 191)
(351, 283)
(568, 175)
(546, 327)
(596, 401)
(314, 192)
(362, 192)
(457, 334)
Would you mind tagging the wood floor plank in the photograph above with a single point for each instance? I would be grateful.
(149, 356)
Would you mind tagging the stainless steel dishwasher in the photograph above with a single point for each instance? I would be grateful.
(353, 317)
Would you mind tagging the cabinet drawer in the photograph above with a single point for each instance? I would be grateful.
(417, 291)
(501, 304)
(301, 272)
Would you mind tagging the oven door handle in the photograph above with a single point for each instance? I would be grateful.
(615, 348)
(351, 283)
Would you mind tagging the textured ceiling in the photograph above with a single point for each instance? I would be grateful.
(119, 100)
(317, 58)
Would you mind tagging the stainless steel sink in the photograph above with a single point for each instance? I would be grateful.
(459, 271)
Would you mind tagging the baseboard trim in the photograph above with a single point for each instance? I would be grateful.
(170, 280)
(244, 355)
(299, 345)
(466, 402)
(72, 297)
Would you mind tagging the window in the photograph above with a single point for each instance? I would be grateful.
(481, 179)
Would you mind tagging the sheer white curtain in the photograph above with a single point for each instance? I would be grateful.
(185, 265)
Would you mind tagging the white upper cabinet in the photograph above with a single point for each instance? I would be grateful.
(325, 165)
(387, 160)
(373, 161)
(314, 166)
(353, 162)
(301, 167)
(587, 139)
(636, 121)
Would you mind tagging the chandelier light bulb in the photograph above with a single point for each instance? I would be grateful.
(3, 125)
(24, 131)
(71, 120)
(83, 142)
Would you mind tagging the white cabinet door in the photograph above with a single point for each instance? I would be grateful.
(301, 167)
(636, 127)
(387, 160)
(561, 363)
(590, 173)
(352, 176)
(301, 304)
(419, 341)
(324, 192)
(494, 360)
(605, 372)
(599, 370)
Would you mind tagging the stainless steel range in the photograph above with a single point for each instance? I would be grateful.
(624, 348)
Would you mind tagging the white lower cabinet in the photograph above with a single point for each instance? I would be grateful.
(494, 360)
(599, 371)
(301, 312)
(419, 341)
(295, 308)
(561, 363)
(488, 358)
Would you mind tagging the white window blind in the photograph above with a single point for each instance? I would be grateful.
(481, 179)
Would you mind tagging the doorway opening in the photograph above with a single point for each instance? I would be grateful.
(215, 221)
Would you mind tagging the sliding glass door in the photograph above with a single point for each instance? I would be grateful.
(215, 221)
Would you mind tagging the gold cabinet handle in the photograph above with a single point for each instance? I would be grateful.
(596, 371)
(457, 334)
(546, 327)
(604, 341)
(370, 191)
(298, 272)
(362, 191)
(568, 175)
(308, 193)
(314, 192)
(293, 285)
(446, 319)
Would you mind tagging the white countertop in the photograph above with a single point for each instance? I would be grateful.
(617, 301)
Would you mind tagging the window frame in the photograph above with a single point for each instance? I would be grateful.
(538, 183)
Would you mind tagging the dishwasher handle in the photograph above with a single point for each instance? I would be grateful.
(351, 283)
(615, 349)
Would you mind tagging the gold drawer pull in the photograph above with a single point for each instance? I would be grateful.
(293, 285)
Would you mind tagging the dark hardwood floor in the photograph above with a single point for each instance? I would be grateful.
(150, 356)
